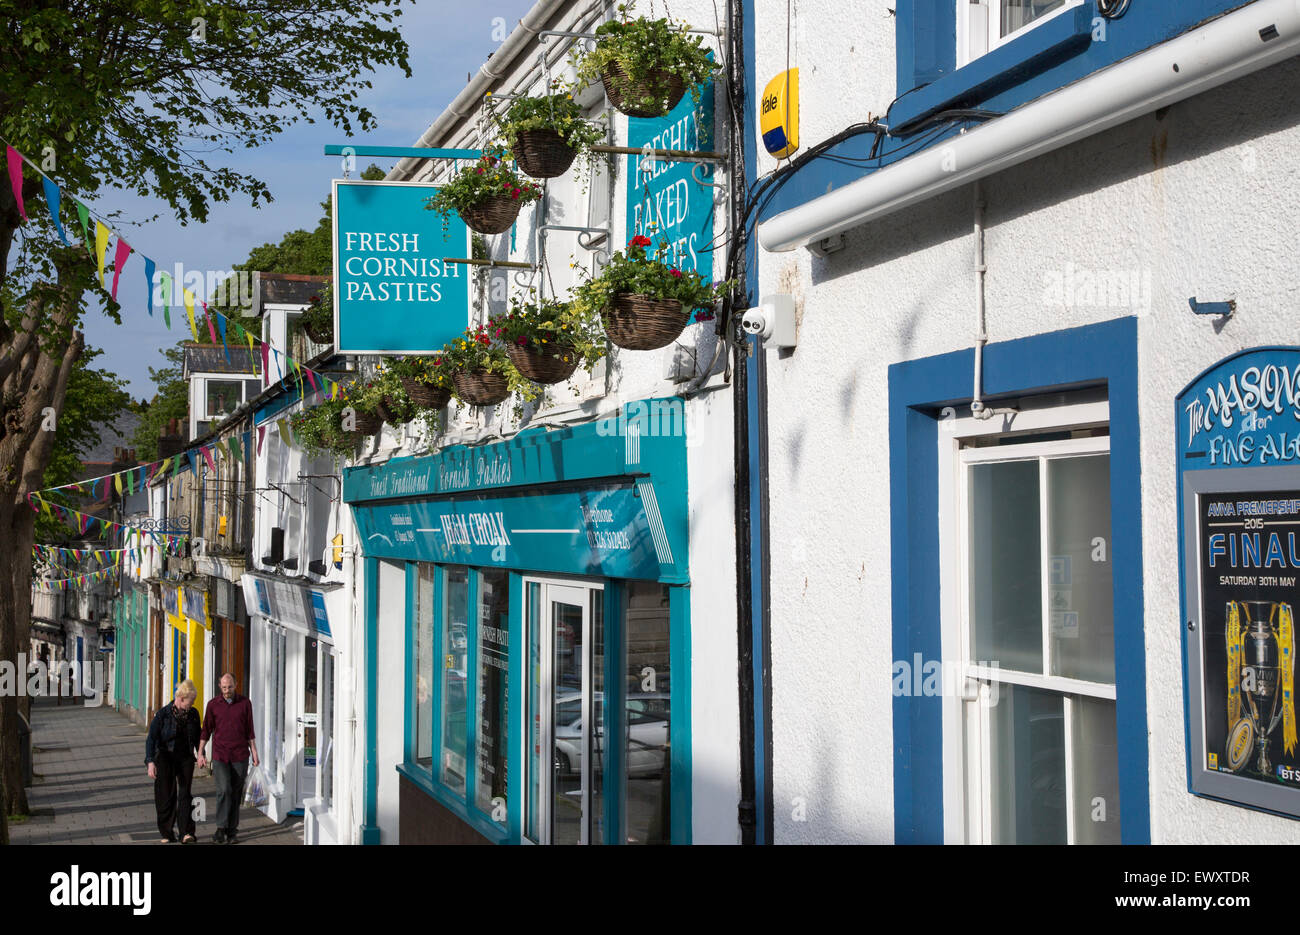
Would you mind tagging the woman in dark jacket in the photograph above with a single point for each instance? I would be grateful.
(169, 753)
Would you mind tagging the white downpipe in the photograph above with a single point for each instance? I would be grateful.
(977, 407)
(1223, 49)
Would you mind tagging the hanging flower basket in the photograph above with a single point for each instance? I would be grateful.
(642, 322)
(367, 423)
(395, 412)
(425, 395)
(493, 216)
(543, 154)
(553, 365)
(664, 87)
(480, 388)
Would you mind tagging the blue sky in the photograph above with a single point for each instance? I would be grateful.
(447, 40)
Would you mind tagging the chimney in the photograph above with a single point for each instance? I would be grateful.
(170, 441)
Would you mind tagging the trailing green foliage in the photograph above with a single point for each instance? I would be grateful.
(638, 272)
(649, 50)
(543, 326)
(490, 177)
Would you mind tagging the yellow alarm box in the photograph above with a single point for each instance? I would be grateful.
(778, 115)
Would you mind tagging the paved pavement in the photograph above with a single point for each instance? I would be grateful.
(91, 787)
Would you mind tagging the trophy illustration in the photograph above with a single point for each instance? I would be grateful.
(1261, 677)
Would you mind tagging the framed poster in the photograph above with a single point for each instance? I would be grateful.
(1239, 489)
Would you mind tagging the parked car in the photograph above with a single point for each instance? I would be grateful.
(647, 725)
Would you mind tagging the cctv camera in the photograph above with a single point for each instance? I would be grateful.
(772, 321)
(757, 322)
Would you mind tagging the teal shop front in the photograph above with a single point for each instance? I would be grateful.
(537, 593)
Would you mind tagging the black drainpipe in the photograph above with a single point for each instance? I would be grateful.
(747, 810)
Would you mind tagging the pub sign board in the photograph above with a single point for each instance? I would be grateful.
(394, 292)
(1239, 530)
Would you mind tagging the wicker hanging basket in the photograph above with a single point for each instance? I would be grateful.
(661, 85)
(543, 154)
(424, 395)
(642, 322)
(493, 216)
(480, 388)
(395, 412)
(554, 365)
(367, 423)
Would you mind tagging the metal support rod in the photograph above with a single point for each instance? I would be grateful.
(586, 240)
(677, 155)
(508, 264)
(404, 152)
(545, 34)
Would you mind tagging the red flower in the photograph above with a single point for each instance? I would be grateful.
(640, 241)
(521, 341)
(677, 274)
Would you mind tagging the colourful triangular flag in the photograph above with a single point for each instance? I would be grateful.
(120, 254)
(101, 248)
(189, 308)
(83, 214)
(148, 282)
(52, 202)
(165, 285)
(16, 177)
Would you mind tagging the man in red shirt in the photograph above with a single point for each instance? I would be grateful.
(229, 722)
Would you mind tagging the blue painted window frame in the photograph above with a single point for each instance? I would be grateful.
(1095, 355)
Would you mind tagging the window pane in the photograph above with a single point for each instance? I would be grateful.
(536, 763)
(423, 701)
(648, 708)
(1082, 619)
(454, 648)
(1096, 771)
(493, 676)
(1019, 13)
(570, 736)
(1005, 568)
(1027, 761)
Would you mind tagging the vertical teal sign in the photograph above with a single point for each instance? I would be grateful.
(393, 291)
(664, 202)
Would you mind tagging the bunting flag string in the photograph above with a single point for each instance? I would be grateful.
(287, 367)
(62, 584)
(84, 522)
(53, 553)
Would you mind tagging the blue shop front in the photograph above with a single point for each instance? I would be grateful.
(536, 592)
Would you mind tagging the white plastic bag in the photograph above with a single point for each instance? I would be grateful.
(255, 788)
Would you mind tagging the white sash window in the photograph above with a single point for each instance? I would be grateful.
(1028, 635)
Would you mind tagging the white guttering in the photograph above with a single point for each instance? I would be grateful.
(1236, 44)
(493, 70)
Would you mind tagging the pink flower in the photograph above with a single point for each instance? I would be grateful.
(677, 274)
(521, 341)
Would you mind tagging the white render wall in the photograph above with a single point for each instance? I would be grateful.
(1201, 201)
(627, 376)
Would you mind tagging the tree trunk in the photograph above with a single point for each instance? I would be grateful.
(35, 375)
(11, 777)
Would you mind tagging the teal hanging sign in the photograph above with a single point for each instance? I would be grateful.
(394, 292)
(664, 201)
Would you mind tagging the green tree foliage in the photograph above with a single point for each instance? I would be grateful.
(136, 96)
(95, 399)
(171, 401)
